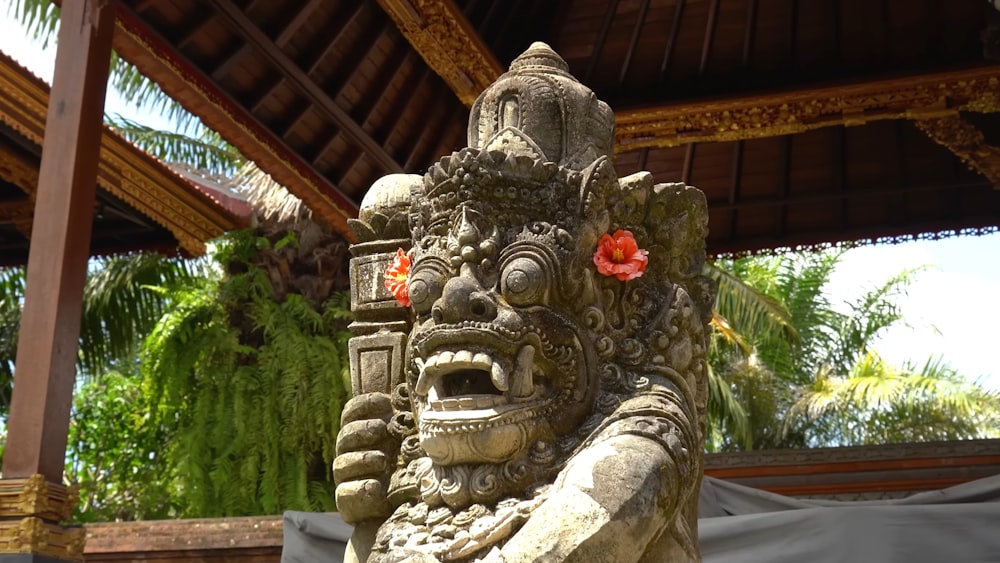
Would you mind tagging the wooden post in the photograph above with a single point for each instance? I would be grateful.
(57, 264)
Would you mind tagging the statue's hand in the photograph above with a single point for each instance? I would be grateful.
(366, 455)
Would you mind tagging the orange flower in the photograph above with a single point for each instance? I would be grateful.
(620, 256)
(396, 277)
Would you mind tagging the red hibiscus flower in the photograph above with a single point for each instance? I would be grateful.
(396, 276)
(620, 256)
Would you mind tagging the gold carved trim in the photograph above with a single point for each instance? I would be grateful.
(448, 43)
(35, 496)
(123, 170)
(785, 113)
(33, 535)
(966, 142)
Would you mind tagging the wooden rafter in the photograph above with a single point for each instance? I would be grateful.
(301, 81)
(193, 89)
(966, 142)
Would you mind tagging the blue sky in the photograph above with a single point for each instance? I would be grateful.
(950, 308)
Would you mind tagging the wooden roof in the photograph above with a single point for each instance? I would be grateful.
(141, 203)
(804, 122)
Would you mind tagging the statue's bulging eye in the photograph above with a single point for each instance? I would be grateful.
(425, 289)
(523, 281)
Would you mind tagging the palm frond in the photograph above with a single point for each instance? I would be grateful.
(746, 309)
(120, 308)
(206, 151)
(40, 19)
(143, 93)
(270, 200)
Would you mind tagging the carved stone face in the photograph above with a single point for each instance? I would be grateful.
(499, 366)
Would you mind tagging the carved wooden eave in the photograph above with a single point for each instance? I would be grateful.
(193, 215)
(966, 142)
(784, 113)
(442, 35)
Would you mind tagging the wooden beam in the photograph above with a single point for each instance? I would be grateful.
(966, 142)
(449, 44)
(602, 39)
(796, 111)
(675, 29)
(706, 47)
(57, 262)
(633, 42)
(295, 76)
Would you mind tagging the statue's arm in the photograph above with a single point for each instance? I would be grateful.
(611, 502)
(365, 458)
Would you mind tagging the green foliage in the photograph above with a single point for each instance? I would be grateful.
(877, 403)
(11, 293)
(121, 306)
(805, 374)
(117, 455)
(39, 17)
(255, 386)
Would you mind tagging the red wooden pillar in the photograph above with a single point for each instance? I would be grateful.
(57, 264)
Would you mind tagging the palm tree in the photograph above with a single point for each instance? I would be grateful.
(807, 374)
(877, 403)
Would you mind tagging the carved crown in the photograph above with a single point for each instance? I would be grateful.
(538, 109)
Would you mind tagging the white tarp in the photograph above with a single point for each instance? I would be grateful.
(744, 525)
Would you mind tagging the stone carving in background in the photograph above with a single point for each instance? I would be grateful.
(529, 367)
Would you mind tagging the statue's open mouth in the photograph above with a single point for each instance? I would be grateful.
(484, 393)
(462, 380)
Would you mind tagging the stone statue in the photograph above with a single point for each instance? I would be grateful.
(529, 350)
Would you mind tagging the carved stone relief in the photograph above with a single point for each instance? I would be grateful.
(529, 350)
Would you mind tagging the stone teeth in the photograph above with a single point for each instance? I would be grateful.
(450, 404)
(482, 359)
(499, 377)
(463, 357)
(424, 381)
(524, 383)
(486, 402)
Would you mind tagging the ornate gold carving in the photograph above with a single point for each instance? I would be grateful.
(438, 30)
(966, 142)
(32, 535)
(916, 97)
(35, 496)
(123, 170)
